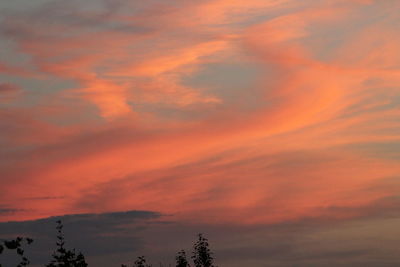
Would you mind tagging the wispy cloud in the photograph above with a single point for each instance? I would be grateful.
(120, 119)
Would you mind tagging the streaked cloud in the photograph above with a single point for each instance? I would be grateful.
(211, 111)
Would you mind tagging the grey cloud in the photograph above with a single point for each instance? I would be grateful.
(93, 234)
(386, 207)
(303, 243)
(5, 210)
(109, 239)
(17, 23)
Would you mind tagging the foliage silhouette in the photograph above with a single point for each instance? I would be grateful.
(202, 255)
(16, 244)
(181, 260)
(139, 262)
(63, 257)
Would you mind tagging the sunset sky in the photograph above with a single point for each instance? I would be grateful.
(272, 126)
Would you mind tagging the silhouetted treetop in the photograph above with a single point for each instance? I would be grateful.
(139, 262)
(181, 260)
(202, 255)
(63, 257)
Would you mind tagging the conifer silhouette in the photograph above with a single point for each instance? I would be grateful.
(181, 260)
(202, 255)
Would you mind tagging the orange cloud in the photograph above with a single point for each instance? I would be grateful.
(168, 144)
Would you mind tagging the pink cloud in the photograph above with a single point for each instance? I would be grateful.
(288, 158)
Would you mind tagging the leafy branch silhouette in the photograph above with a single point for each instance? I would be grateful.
(139, 262)
(63, 257)
(201, 256)
(16, 244)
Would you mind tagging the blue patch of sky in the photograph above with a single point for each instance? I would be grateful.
(325, 40)
(8, 56)
(6, 6)
(235, 83)
(384, 150)
(37, 89)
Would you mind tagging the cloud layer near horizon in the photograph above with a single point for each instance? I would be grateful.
(218, 111)
(109, 239)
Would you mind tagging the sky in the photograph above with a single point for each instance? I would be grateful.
(271, 126)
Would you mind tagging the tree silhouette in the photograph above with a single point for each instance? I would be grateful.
(16, 244)
(139, 262)
(202, 255)
(63, 257)
(181, 260)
